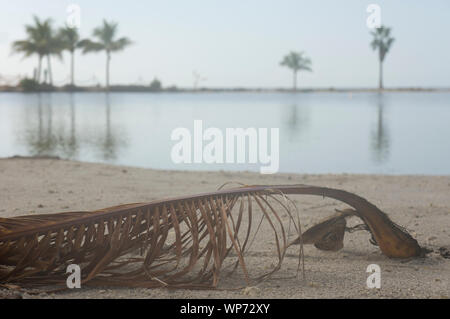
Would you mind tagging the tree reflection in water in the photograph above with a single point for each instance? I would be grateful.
(40, 139)
(51, 136)
(380, 139)
(111, 142)
(297, 120)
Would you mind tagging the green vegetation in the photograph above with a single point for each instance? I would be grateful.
(70, 40)
(382, 42)
(106, 41)
(156, 85)
(44, 42)
(29, 85)
(296, 61)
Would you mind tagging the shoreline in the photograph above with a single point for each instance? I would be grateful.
(146, 89)
(56, 157)
(419, 203)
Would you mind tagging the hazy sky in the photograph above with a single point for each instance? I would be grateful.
(241, 42)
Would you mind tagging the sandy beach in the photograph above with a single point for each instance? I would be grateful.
(419, 203)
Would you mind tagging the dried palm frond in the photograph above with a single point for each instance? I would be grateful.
(181, 242)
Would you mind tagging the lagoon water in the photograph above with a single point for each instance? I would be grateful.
(389, 133)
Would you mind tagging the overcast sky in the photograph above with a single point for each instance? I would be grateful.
(239, 43)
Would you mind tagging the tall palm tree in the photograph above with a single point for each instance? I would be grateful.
(48, 42)
(382, 41)
(105, 35)
(70, 40)
(296, 61)
(34, 44)
(54, 47)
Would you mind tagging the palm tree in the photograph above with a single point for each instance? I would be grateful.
(381, 42)
(296, 61)
(70, 40)
(48, 42)
(34, 44)
(54, 47)
(42, 42)
(106, 42)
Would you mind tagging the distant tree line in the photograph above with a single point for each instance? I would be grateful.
(382, 42)
(44, 42)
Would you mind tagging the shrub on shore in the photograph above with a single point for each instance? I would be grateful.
(31, 85)
(156, 85)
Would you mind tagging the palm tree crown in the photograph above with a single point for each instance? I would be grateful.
(41, 41)
(382, 41)
(70, 38)
(296, 61)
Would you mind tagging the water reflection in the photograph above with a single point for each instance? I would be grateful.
(380, 139)
(111, 141)
(297, 120)
(47, 134)
(70, 149)
(319, 133)
(40, 139)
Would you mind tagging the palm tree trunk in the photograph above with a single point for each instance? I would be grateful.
(49, 66)
(380, 85)
(72, 69)
(38, 74)
(108, 58)
(295, 81)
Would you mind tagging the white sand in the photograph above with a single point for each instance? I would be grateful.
(419, 203)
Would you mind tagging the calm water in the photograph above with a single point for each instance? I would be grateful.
(392, 133)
